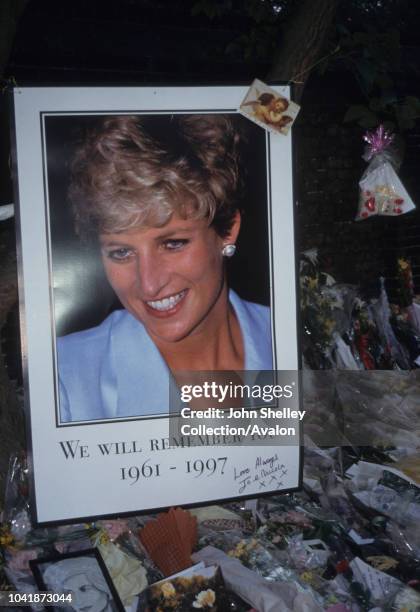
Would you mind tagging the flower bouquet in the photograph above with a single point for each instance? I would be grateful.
(198, 588)
(381, 190)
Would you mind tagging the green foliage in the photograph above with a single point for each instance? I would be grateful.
(259, 20)
(211, 8)
(258, 43)
(259, 11)
(394, 113)
(372, 56)
(361, 114)
(364, 44)
(374, 59)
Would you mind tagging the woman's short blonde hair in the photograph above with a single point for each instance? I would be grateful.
(136, 171)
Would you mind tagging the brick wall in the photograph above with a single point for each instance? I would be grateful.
(328, 168)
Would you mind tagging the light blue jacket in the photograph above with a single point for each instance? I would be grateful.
(115, 370)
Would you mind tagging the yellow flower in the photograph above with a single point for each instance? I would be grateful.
(168, 589)
(6, 538)
(235, 553)
(101, 537)
(384, 190)
(313, 283)
(329, 326)
(205, 599)
(307, 577)
(240, 549)
(382, 562)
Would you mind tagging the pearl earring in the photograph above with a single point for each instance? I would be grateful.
(229, 250)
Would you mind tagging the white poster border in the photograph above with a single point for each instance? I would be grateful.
(66, 489)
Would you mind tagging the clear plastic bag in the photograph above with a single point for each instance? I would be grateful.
(16, 511)
(381, 191)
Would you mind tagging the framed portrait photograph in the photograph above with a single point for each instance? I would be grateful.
(156, 241)
(76, 581)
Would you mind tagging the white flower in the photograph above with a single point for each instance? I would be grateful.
(329, 280)
(335, 296)
(311, 255)
(205, 599)
(168, 589)
(6, 211)
(358, 304)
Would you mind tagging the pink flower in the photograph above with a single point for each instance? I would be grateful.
(298, 517)
(61, 547)
(114, 528)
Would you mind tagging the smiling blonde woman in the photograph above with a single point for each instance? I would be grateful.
(162, 205)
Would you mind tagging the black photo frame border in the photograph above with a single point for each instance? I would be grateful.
(35, 564)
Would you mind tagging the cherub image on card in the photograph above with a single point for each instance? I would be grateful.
(268, 108)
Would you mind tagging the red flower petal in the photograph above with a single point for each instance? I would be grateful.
(342, 566)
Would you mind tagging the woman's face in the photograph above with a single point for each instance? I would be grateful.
(279, 105)
(85, 596)
(169, 278)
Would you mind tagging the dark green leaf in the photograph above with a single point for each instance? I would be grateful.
(389, 98)
(367, 72)
(389, 125)
(343, 30)
(369, 120)
(211, 8)
(384, 81)
(355, 112)
(361, 38)
(414, 103)
(376, 104)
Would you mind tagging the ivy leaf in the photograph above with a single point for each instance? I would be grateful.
(259, 11)
(211, 8)
(367, 72)
(414, 104)
(363, 115)
(357, 112)
(407, 114)
(389, 98)
(369, 120)
(384, 81)
(376, 104)
(343, 30)
(361, 38)
(389, 126)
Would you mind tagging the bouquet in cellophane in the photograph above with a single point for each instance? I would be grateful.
(381, 191)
